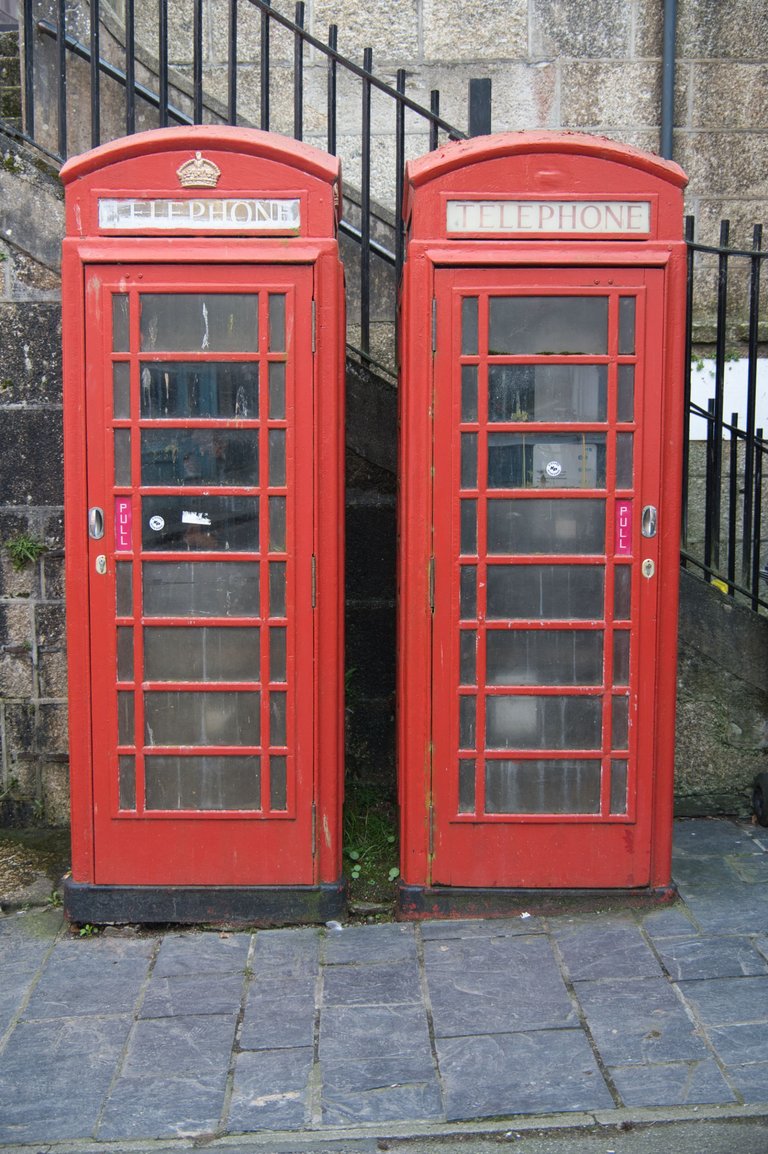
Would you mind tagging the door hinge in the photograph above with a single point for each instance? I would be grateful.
(432, 584)
(314, 328)
(314, 581)
(434, 324)
(431, 847)
(314, 829)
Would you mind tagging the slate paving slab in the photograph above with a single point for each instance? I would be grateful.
(372, 985)
(377, 944)
(605, 948)
(672, 1084)
(271, 1090)
(163, 1107)
(279, 1015)
(349, 1033)
(187, 1046)
(722, 1001)
(200, 953)
(711, 957)
(192, 994)
(381, 1090)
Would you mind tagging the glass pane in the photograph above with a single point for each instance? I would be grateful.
(277, 457)
(469, 526)
(278, 729)
(624, 450)
(467, 785)
(200, 524)
(625, 401)
(626, 326)
(126, 776)
(469, 326)
(122, 456)
(620, 716)
(548, 326)
(124, 588)
(540, 525)
(278, 782)
(277, 654)
(544, 657)
(277, 589)
(469, 392)
(211, 389)
(622, 588)
(277, 322)
(567, 461)
(199, 718)
(469, 460)
(201, 589)
(621, 657)
(468, 657)
(618, 786)
(214, 783)
(125, 653)
(201, 653)
(547, 392)
(200, 322)
(277, 524)
(516, 722)
(467, 722)
(199, 457)
(468, 592)
(125, 719)
(121, 390)
(277, 391)
(542, 786)
(545, 592)
(120, 323)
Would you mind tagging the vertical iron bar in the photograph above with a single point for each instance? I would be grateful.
(95, 74)
(130, 69)
(298, 74)
(264, 109)
(62, 77)
(733, 501)
(333, 42)
(668, 61)
(365, 208)
(162, 75)
(720, 351)
(759, 451)
(709, 484)
(749, 446)
(434, 107)
(197, 62)
(232, 58)
(399, 175)
(689, 234)
(479, 118)
(29, 70)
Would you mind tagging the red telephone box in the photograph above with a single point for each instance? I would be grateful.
(541, 419)
(204, 346)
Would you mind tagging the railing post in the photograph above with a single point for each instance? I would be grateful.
(752, 352)
(232, 57)
(264, 73)
(298, 74)
(61, 45)
(95, 74)
(333, 42)
(29, 70)
(365, 208)
(479, 107)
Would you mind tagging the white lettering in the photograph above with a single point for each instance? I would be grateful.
(214, 213)
(536, 217)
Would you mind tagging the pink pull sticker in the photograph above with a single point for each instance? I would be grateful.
(123, 523)
(623, 547)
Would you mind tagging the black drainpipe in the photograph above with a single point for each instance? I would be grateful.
(668, 78)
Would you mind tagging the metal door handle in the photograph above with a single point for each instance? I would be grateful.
(648, 523)
(96, 523)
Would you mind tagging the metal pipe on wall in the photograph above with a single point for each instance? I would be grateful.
(668, 78)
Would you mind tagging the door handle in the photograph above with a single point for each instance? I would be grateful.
(648, 522)
(95, 523)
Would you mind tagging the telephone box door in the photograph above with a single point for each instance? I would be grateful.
(546, 507)
(200, 492)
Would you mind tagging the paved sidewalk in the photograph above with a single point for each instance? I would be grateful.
(126, 1036)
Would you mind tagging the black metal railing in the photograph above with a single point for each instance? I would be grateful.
(724, 463)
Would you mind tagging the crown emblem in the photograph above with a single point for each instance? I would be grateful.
(198, 173)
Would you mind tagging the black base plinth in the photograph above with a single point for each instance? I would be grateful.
(218, 905)
(421, 902)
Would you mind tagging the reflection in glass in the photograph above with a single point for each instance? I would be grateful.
(201, 589)
(468, 657)
(626, 326)
(276, 390)
(546, 461)
(200, 524)
(216, 390)
(621, 657)
(122, 457)
(625, 401)
(121, 390)
(124, 588)
(278, 731)
(565, 393)
(120, 323)
(199, 322)
(620, 722)
(542, 786)
(199, 457)
(199, 718)
(469, 392)
(125, 653)
(469, 329)
(278, 782)
(522, 722)
(467, 722)
(469, 460)
(277, 589)
(125, 719)
(468, 592)
(467, 785)
(619, 786)
(203, 783)
(277, 524)
(126, 777)
(201, 653)
(277, 457)
(548, 326)
(544, 657)
(545, 592)
(622, 589)
(468, 526)
(277, 654)
(624, 451)
(542, 525)
(277, 322)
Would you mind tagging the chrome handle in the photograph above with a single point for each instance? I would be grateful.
(649, 519)
(96, 523)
